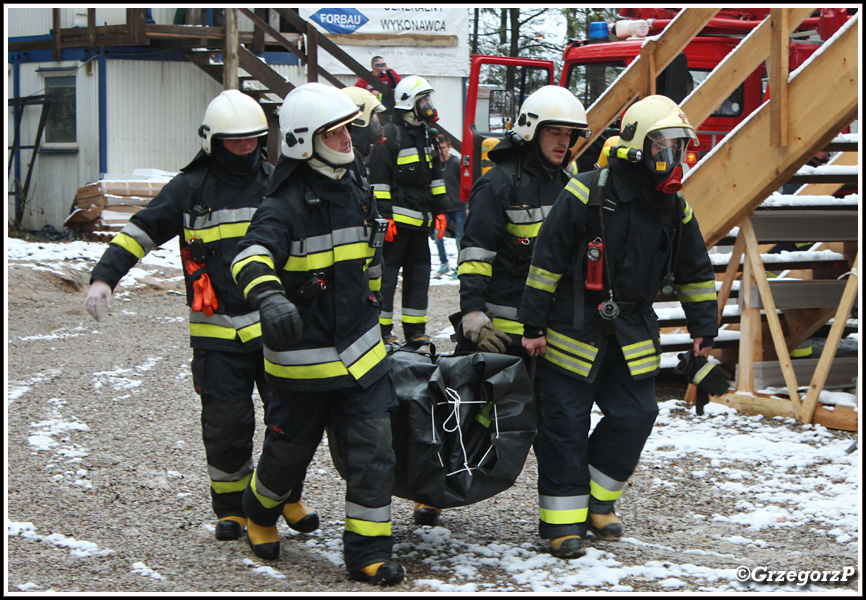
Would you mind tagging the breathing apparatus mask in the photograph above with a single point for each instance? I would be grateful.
(425, 110)
(663, 154)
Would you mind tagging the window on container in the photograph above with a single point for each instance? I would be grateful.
(60, 125)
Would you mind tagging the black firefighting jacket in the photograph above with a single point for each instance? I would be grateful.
(506, 209)
(311, 238)
(200, 202)
(407, 175)
(638, 240)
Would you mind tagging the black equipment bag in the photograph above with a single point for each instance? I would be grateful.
(463, 428)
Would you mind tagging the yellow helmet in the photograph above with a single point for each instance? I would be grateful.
(366, 102)
(605, 151)
(654, 117)
(658, 128)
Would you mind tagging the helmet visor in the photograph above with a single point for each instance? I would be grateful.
(666, 147)
(424, 108)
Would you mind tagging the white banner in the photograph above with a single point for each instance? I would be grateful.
(413, 41)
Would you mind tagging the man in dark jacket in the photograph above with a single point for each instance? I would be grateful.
(209, 206)
(305, 263)
(455, 210)
(613, 239)
(406, 175)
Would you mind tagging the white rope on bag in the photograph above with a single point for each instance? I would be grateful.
(455, 401)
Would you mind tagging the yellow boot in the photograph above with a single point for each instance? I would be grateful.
(380, 573)
(263, 541)
(567, 546)
(605, 527)
(300, 517)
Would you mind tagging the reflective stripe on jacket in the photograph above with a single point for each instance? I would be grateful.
(637, 241)
(329, 242)
(226, 206)
(407, 175)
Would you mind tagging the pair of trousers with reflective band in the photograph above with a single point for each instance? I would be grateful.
(410, 251)
(225, 382)
(572, 463)
(362, 417)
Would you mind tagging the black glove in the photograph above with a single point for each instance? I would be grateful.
(281, 322)
(709, 377)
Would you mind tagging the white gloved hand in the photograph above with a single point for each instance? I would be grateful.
(98, 299)
(472, 323)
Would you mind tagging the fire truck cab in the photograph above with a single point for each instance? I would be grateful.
(498, 85)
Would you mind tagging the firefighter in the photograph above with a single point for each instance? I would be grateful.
(406, 173)
(366, 129)
(614, 238)
(208, 205)
(304, 264)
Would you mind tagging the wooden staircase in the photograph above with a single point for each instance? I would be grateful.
(733, 192)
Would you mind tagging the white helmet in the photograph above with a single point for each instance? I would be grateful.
(409, 91)
(551, 105)
(232, 115)
(309, 110)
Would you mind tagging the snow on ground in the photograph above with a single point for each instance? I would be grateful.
(754, 458)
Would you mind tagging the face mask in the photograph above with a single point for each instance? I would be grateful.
(663, 159)
(425, 110)
(236, 163)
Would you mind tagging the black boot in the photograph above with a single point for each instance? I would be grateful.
(230, 528)
(425, 514)
(383, 573)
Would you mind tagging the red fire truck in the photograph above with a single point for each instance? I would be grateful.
(498, 85)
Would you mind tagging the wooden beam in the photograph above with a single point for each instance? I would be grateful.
(750, 343)
(820, 377)
(55, 30)
(275, 82)
(730, 274)
(836, 417)
(632, 82)
(727, 186)
(230, 52)
(91, 27)
(778, 73)
(756, 404)
(769, 304)
(312, 54)
(734, 70)
(186, 32)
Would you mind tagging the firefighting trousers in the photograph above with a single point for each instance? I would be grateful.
(571, 462)
(410, 251)
(225, 383)
(296, 423)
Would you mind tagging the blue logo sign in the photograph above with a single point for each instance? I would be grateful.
(339, 20)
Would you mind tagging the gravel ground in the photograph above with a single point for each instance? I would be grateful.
(107, 488)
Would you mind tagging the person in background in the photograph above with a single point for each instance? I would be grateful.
(304, 264)
(614, 237)
(407, 179)
(209, 205)
(389, 77)
(455, 210)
